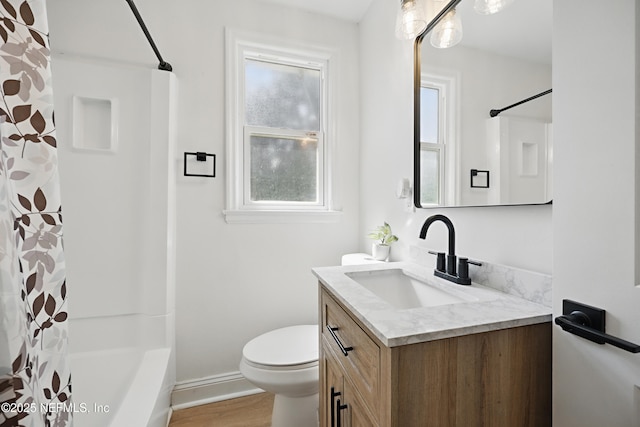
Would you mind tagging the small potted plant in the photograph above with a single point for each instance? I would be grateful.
(383, 240)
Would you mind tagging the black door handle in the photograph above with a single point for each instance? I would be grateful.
(569, 324)
(588, 322)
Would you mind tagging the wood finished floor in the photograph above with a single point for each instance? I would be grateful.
(249, 411)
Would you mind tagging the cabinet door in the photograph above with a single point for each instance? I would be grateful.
(332, 392)
(343, 406)
(357, 413)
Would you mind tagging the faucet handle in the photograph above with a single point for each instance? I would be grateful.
(440, 262)
(463, 267)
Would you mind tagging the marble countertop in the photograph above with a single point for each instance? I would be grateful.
(486, 310)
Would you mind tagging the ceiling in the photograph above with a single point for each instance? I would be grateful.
(350, 10)
(523, 29)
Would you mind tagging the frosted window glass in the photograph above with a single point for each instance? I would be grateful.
(429, 114)
(281, 96)
(430, 177)
(284, 169)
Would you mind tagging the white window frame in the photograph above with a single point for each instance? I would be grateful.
(437, 146)
(447, 83)
(239, 207)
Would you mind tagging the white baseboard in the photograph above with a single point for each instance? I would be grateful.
(191, 393)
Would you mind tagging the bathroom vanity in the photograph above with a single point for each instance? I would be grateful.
(454, 356)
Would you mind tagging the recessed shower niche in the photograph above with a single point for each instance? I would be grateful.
(95, 123)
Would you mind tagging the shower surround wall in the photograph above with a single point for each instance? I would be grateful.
(117, 172)
(35, 387)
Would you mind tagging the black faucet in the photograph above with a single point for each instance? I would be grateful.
(451, 256)
(449, 273)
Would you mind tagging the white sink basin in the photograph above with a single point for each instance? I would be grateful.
(403, 291)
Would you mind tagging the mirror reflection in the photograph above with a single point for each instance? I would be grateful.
(465, 157)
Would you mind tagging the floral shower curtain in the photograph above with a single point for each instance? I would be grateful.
(35, 385)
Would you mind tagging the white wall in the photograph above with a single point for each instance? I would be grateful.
(233, 281)
(515, 236)
(126, 291)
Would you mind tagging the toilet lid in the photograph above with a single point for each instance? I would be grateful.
(293, 345)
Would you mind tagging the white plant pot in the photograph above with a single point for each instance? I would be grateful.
(380, 252)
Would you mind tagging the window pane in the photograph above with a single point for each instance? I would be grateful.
(284, 169)
(282, 96)
(429, 177)
(429, 119)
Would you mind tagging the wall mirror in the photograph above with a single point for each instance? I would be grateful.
(462, 155)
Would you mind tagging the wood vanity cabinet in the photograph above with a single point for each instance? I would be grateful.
(493, 379)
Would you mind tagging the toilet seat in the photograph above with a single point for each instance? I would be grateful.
(293, 347)
(280, 368)
(285, 362)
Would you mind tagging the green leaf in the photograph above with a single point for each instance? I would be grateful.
(383, 234)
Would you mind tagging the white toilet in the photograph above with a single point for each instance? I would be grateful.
(358, 259)
(285, 362)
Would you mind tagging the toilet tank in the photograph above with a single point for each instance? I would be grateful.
(357, 259)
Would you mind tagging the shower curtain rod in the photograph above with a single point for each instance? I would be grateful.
(494, 113)
(163, 65)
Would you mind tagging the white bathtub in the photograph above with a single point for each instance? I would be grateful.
(121, 387)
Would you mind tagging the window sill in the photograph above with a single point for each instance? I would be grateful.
(281, 217)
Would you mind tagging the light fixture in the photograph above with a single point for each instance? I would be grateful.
(489, 7)
(411, 20)
(448, 32)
